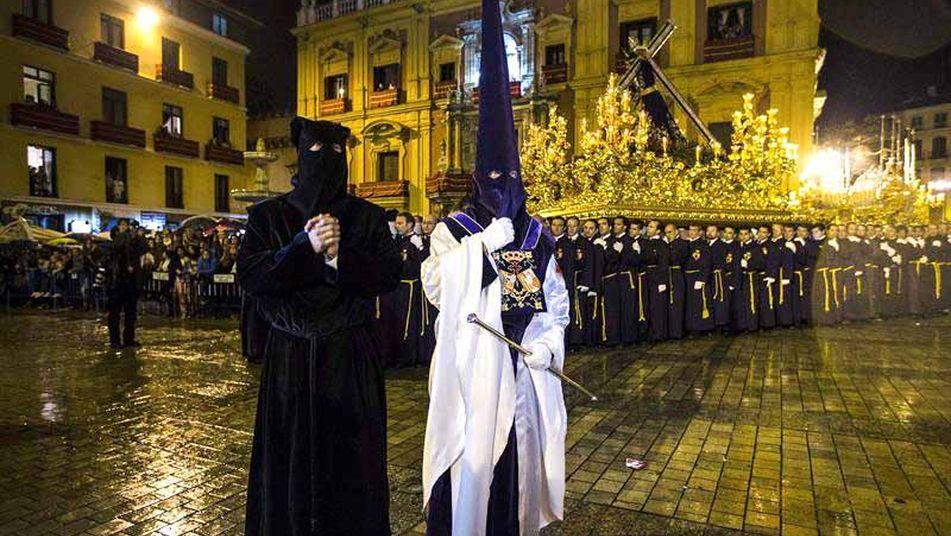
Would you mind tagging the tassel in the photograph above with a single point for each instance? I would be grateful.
(703, 298)
(640, 298)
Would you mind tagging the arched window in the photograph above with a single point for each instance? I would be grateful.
(512, 57)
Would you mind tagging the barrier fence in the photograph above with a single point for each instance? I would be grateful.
(159, 293)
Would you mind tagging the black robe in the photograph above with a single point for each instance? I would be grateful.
(656, 258)
(697, 268)
(747, 287)
(408, 306)
(318, 461)
(723, 264)
(679, 250)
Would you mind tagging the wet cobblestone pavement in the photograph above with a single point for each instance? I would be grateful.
(835, 431)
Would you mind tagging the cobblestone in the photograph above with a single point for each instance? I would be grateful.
(833, 431)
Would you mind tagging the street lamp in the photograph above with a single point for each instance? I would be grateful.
(146, 17)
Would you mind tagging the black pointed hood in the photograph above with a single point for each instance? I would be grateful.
(321, 165)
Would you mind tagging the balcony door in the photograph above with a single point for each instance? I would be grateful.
(171, 55)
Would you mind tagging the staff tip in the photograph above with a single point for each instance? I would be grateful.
(472, 318)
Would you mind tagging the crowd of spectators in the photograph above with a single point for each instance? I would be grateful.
(74, 274)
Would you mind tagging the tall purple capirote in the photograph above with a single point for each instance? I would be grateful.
(497, 180)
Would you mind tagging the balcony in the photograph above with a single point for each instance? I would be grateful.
(384, 98)
(115, 56)
(444, 187)
(165, 143)
(442, 89)
(728, 49)
(312, 11)
(555, 74)
(372, 190)
(175, 76)
(334, 106)
(222, 153)
(41, 32)
(43, 117)
(121, 134)
(224, 92)
(515, 90)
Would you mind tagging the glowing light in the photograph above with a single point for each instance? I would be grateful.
(940, 185)
(147, 17)
(826, 169)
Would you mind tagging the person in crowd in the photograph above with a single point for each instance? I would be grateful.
(656, 259)
(408, 297)
(722, 268)
(679, 250)
(697, 269)
(122, 276)
(784, 289)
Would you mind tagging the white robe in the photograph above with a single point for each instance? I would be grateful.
(475, 396)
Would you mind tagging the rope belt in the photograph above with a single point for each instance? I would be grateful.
(705, 313)
(781, 289)
(825, 286)
(578, 315)
(835, 286)
(670, 281)
(937, 280)
(640, 296)
(409, 304)
(801, 284)
(752, 293)
(718, 285)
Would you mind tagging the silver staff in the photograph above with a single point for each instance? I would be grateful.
(474, 319)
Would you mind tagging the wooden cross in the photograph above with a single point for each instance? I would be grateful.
(640, 57)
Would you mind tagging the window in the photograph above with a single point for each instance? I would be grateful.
(116, 180)
(112, 31)
(917, 145)
(171, 55)
(221, 131)
(917, 122)
(641, 31)
(722, 131)
(222, 194)
(172, 6)
(447, 72)
(174, 193)
(388, 166)
(512, 57)
(732, 21)
(219, 72)
(41, 162)
(386, 77)
(39, 86)
(335, 87)
(40, 10)
(554, 55)
(219, 24)
(172, 122)
(114, 107)
(939, 147)
(941, 120)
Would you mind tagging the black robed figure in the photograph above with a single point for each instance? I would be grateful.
(318, 461)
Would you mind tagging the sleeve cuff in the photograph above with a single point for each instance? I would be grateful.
(331, 262)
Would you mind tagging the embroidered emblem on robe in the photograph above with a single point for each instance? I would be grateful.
(696, 254)
(729, 258)
(521, 287)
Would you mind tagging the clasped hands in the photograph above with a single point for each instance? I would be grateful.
(324, 234)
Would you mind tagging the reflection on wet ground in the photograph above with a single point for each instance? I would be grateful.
(834, 431)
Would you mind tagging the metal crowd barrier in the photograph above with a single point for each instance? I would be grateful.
(220, 294)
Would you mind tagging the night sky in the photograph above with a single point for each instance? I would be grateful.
(880, 53)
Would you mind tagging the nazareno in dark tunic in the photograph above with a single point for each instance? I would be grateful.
(318, 461)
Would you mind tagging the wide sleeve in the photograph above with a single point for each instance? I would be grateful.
(549, 327)
(372, 270)
(265, 267)
(441, 242)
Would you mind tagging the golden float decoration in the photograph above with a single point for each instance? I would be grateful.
(614, 172)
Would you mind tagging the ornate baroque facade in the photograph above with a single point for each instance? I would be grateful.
(403, 74)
